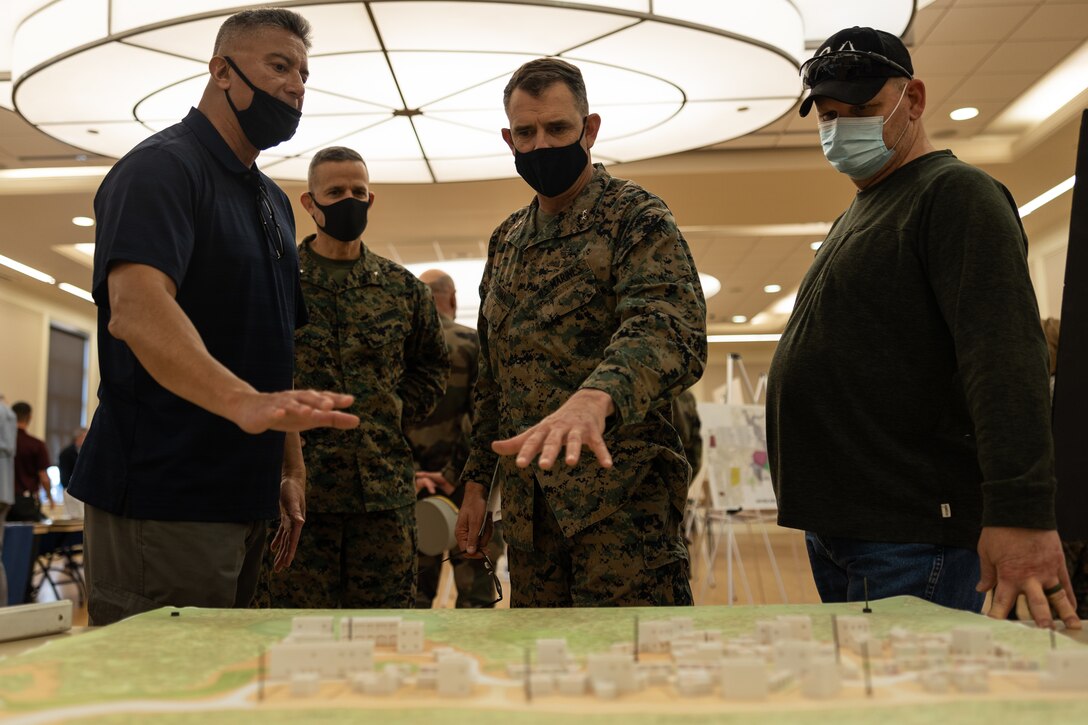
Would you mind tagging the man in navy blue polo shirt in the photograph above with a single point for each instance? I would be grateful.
(195, 443)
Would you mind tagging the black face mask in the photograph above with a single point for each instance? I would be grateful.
(551, 171)
(268, 120)
(345, 219)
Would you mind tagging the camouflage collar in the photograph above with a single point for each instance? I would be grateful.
(365, 272)
(576, 218)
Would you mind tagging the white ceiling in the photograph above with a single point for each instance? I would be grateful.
(982, 53)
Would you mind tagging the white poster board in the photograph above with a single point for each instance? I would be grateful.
(735, 466)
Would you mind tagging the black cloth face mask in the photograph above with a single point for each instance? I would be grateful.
(345, 220)
(268, 121)
(551, 171)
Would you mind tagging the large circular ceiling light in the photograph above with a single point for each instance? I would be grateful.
(416, 85)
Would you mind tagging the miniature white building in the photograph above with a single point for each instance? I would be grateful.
(692, 682)
(608, 671)
(427, 676)
(542, 683)
(654, 673)
(383, 630)
(743, 678)
(455, 676)
(410, 637)
(655, 635)
(571, 683)
(800, 626)
(702, 654)
(385, 682)
(794, 656)
(972, 642)
(1067, 669)
(970, 678)
(820, 679)
(934, 681)
(310, 629)
(304, 684)
(852, 631)
(552, 654)
(327, 659)
(770, 631)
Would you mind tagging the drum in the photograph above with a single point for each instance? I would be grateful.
(436, 517)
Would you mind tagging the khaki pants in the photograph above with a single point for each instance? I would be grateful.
(136, 565)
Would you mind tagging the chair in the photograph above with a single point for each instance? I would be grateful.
(18, 557)
(57, 564)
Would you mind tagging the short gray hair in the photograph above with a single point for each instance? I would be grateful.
(248, 21)
(329, 155)
(538, 75)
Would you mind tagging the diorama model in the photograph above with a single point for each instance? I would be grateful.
(779, 655)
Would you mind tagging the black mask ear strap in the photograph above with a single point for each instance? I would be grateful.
(237, 70)
(240, 75)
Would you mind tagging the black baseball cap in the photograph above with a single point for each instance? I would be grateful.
(853, 65)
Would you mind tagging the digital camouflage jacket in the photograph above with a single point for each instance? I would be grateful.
(605, 295)
(377, 337)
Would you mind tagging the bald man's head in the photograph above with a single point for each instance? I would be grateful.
(443, 291)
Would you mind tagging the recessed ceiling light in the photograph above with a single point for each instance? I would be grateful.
(83, 221)
(963, 114)
(816, 245)
(772, 289)
(738, 319)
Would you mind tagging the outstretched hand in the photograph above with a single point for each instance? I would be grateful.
(578, 422)
(1030, 562)
(294, 410)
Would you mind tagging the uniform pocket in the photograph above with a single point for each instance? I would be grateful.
(553, 303)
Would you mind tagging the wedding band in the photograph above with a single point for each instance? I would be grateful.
(1051, 591)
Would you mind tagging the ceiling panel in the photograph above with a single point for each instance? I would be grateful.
(939, 87)
(979, 24)
(1056, 22)
(938, 59)
(993, 87)
(1026, 57)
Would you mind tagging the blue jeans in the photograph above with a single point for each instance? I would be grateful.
(944, 575)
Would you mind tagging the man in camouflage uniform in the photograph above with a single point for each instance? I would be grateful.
(592, 320)
(374, 331)
(440, 448)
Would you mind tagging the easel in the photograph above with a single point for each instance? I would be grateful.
(721, 513)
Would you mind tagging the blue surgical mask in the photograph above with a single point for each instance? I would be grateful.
(855, 146)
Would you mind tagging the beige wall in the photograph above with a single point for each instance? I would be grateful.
(1046, 258)
(25, 320)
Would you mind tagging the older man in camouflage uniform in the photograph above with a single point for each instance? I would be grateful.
(592, 320)
(440, 448)
(374, 331)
